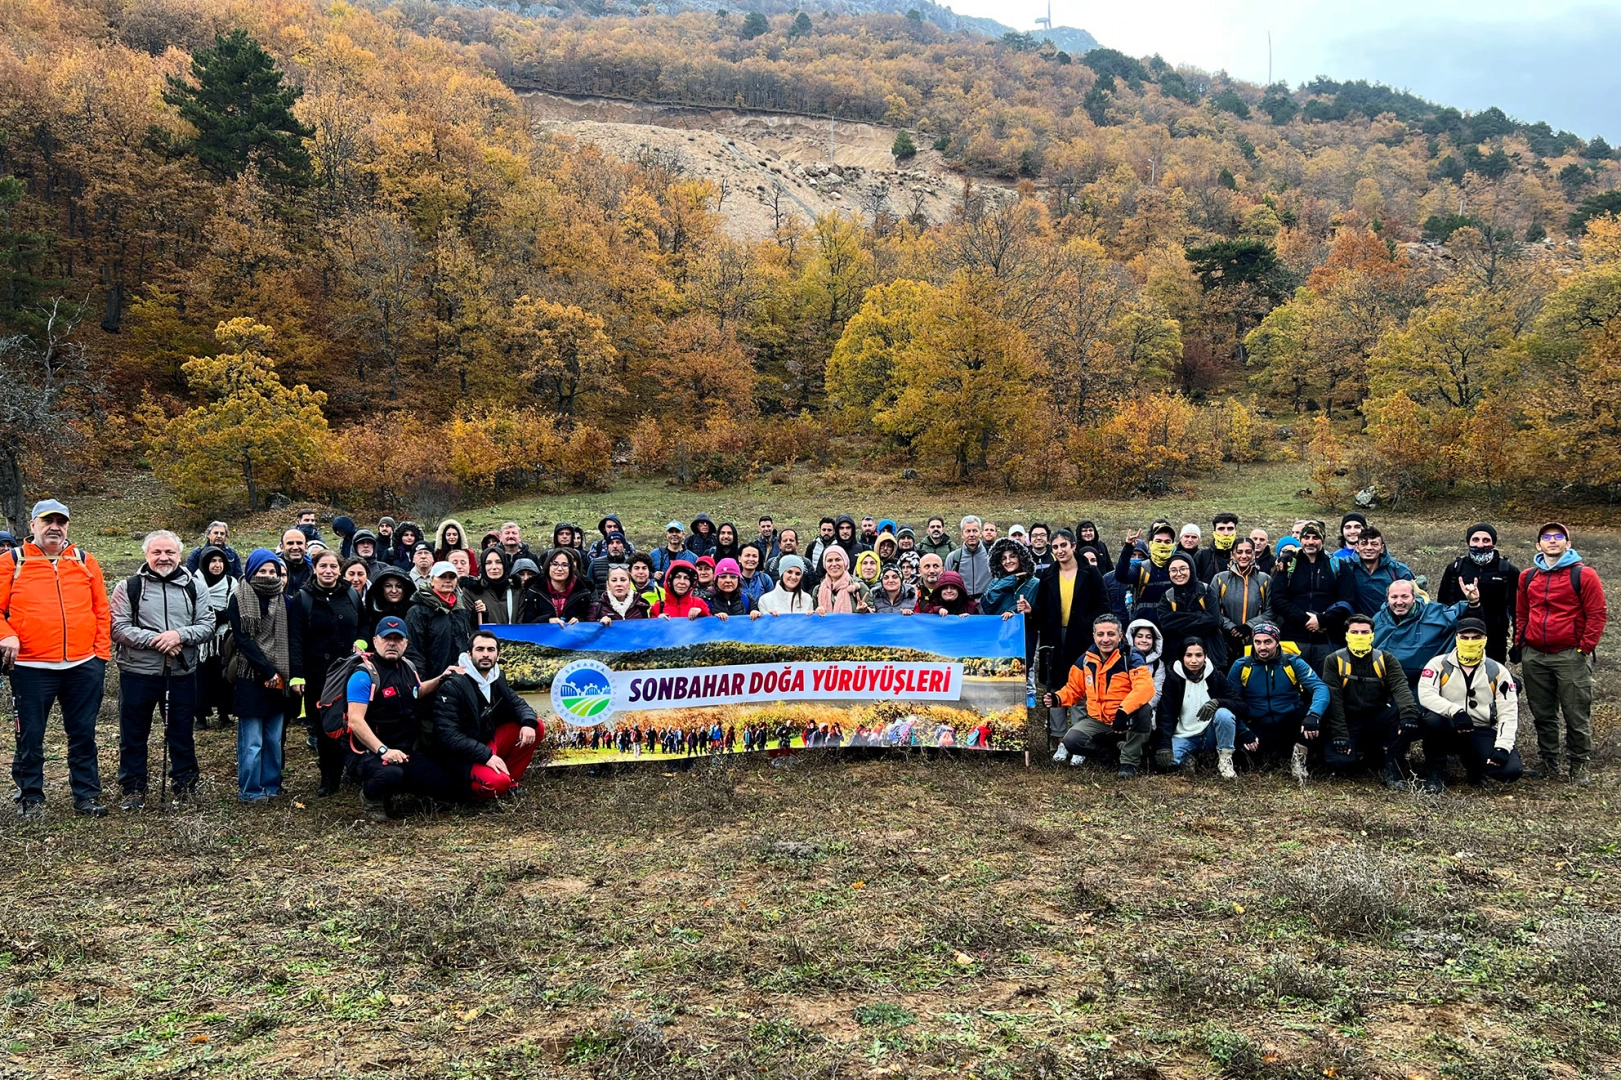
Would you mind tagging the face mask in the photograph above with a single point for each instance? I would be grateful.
(1160, 551)
(1360, 644)
(1471, 651)
(1482, 556)
(1225, 543)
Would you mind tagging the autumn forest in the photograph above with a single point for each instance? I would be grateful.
(321, 249)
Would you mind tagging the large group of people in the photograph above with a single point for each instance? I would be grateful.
(1157, 653)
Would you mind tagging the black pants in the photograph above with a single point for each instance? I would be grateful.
(329, 751)
(213, 690)
(1473, 747)
(1374, 735)
(78, 690)
(1278, 739)
(138, 695)
(420, 775)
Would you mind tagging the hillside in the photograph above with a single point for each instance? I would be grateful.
(553, 245)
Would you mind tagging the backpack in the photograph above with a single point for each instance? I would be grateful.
(17, 558)
(1342, 665)
(1575, 578)
(1288, 669)
(333, 704)
(132, 589)
(1494, 673)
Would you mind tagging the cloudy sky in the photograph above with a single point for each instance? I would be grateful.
(1553, 60)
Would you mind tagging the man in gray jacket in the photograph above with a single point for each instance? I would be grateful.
(160, 616)
(973, 559)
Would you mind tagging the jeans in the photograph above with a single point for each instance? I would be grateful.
(78, 690)
(1217, 735)
(258, 757)
(1555, 683)
(137, 696)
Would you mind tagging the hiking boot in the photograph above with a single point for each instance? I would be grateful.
(1077, 759)
(185, 794)
(134, 801)
(1435, 782)
(1545, 770)
(1392, 776)
(1127, 772)
(1297, 763)
(91, 807)
(375, 809)
(30, 810)
(1581, 774)
(1190, 767)
(1061, 755)
(327, 789)
(311, 742)
(1224, 765)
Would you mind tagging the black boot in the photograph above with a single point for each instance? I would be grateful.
(1435, 781)
(1392, 774)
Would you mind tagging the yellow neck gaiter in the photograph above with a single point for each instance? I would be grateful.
(1161, 551)
(1359, 642)
(1225, 543)
(1471, 651)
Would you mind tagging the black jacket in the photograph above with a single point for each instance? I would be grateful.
(1312, 587)
(322, 628)
(464, 723)
(1498, 581)
(437, 635)
(1210, 562)
(1091, 599)
(1355, 685)
(1192, 611)
(538, 606)
(1169, 710)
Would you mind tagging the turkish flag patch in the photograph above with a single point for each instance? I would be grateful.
(1427, 673)
(389, 691)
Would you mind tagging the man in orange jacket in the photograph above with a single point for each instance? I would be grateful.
(1118, 689)
(56, 638)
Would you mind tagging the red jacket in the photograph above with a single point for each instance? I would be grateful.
(1551, 618)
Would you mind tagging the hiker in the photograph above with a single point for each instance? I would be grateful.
(1372, 715)
(1114, 683)
(484, 734)
(1281, 700)
(1471, 709)
(161, 617)
(1197, 713)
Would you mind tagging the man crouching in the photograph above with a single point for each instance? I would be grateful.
(382, 702)
(485, 733)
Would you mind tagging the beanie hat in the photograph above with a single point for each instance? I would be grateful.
(728, 566)
(1355, 515)
(1485, 527)
(790, 562)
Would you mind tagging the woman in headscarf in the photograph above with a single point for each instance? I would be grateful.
(948, 597)
(791, 596)
(326, 616)
(559, 596)
(908, 563)
(213, 688)
(260, 672)
(619, 600)
(1087, 536)
(839, 592)
(492, 593)
(868, 566)
(1190, 609)
(390, 594)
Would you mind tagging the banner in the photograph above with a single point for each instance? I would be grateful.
(976, 635)
(587, 692)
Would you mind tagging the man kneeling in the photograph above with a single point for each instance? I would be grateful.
(382, 697)
(1118, 690)
(1472, 709)
(485, 732)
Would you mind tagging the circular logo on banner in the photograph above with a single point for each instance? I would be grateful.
(582, 693)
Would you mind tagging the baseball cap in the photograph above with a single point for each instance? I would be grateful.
(48, 506)
(1476, 625)
(393, 626)
(442, 567)
(675, 526)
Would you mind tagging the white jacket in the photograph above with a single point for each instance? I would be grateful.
(781, 602)
(1445, 687)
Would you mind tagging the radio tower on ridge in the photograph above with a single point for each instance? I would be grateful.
(1048, 21)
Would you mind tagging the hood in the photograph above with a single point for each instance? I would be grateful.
(886, 525)
(557, 531)
(1569, 558)
(202, 562)
(867, 567)
(886, 537)
(394, 572)
(343, 525)
(618, 526)
(257, 558)
(408, 527)
(951, 577)
(1203, 675)
(704, 519)
(1159, 638)
(681, 566)
(1027, 565)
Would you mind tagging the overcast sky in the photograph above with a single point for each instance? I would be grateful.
(1553, 60)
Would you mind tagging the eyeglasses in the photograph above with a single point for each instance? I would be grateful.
(1553, 536)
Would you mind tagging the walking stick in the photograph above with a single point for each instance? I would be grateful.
(163, 711)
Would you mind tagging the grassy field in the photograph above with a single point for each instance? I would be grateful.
(829, 919)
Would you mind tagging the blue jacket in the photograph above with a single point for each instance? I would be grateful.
(1425, 633)
(1003, 595)
(1368, 590)
(1269, 696)
(233, 561)
(1146, 581)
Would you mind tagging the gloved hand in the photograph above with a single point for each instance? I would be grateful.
(1312, 722)
(1342, 747)
(1461, 722)
(1163, 758)
(1497, 758)
(296, 686)
(1515, 654)
(1409, 725)
(1121, 718)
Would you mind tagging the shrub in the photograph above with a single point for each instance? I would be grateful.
(1148, 445)
(1351, 891)
(1587, 953)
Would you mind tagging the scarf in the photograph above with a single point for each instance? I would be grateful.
(621, 607)
(267, 628)
(836, 597)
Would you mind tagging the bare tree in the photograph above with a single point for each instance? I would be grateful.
(46, 387)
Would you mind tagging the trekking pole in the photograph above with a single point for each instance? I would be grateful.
(163, 712)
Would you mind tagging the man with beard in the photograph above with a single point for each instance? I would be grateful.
(381, 699)
(1495, 577)
(484, 733)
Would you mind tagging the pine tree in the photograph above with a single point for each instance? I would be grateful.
(242, 111)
